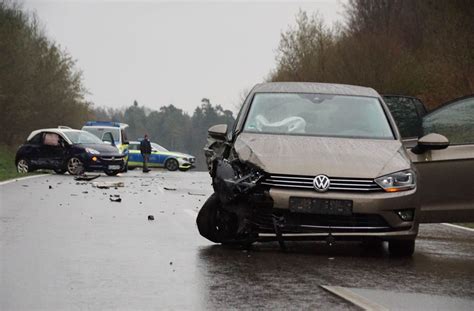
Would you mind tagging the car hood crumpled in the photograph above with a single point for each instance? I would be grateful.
(311, 155)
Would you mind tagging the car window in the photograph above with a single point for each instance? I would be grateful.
(455, 121)
(51, 139)
(158, 147)
(133, 147)
(100, 131)
(83, 137)
(404, 111)
(318, 115)
(37, 139)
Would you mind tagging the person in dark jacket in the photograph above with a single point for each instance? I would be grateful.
(145, 150)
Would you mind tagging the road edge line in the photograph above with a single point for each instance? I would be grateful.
(354, 298)
(6, 182)
(458, 227)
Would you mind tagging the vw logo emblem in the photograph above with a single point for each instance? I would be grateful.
(321, 183)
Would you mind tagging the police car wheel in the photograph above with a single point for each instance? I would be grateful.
(171, 165)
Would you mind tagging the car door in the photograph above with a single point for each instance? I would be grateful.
(52, 151)
(32, 149)
(446, 177)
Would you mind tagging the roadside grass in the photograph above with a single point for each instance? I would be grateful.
(7, 164)
(468, 225)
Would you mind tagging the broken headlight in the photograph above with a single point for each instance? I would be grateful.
(398, 181)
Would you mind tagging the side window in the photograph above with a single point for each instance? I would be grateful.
(133, 147)
(51, 139)
(36, 140)
(404, 111)
(455, 121)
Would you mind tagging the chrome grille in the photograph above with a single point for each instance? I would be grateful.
(336, 183)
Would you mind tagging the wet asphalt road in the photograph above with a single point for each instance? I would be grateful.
(70, 248)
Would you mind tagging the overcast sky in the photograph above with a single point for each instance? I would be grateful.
(162, 53)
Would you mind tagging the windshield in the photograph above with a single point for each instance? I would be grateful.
(99, 132)
(158, 147)
(318, 115)
(82, 137)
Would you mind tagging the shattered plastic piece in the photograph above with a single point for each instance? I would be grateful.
(85, 192)
(170, 189)
(199, 194)
(86, 177)
(107, 185)
(151, 217)
(115, 198)
(171, 263)
(50, 187)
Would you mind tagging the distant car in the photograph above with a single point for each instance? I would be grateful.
(160, 157)
(119, 134)
(62, 150)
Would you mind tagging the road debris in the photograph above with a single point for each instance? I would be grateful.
(86, 177)
(199, 194)
(151, 217)
(50, 187)
(107, 185)
(115, 198)
(169, 189)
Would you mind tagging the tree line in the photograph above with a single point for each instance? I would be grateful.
(40, 85)
(423, 48)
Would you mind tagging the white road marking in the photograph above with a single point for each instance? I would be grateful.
(354, 298)
(191, 212)
(459, 227)
(21, 179)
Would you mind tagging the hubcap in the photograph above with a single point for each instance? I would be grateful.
(172, 165)
(22, 167)
(74, 166)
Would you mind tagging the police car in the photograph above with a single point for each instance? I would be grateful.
(160, 157)
(119, 134)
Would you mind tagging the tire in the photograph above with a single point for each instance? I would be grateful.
(131, 168)
(23, 166)
(75, 166)
(216, 224)
(171, 165)
(401, 248)
(60, 171)
(111, 173)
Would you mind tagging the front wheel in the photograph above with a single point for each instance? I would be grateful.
(401, 248)
(75, 166)
(216, 224)
(172, 165)
(111, 173)
(23, 166)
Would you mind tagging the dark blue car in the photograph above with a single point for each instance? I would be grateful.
(68, 150)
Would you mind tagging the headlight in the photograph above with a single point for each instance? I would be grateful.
(92, 151)
(399, 181)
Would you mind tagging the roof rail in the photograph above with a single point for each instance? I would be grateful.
(106, 123)
(64, 127)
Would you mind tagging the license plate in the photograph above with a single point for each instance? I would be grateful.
(321, 206)
(114, 167)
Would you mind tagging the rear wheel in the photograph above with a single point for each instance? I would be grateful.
(171, 165)
(23, 166)
(401, 248)
(75, 166)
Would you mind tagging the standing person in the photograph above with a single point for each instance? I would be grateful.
(145, 150)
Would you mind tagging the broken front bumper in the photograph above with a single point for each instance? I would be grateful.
(374, 215)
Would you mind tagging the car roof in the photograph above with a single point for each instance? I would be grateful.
(58, 131)
(313, 87)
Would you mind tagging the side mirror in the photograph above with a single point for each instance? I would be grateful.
(154, 150)
(218, 132)
(431, 141)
